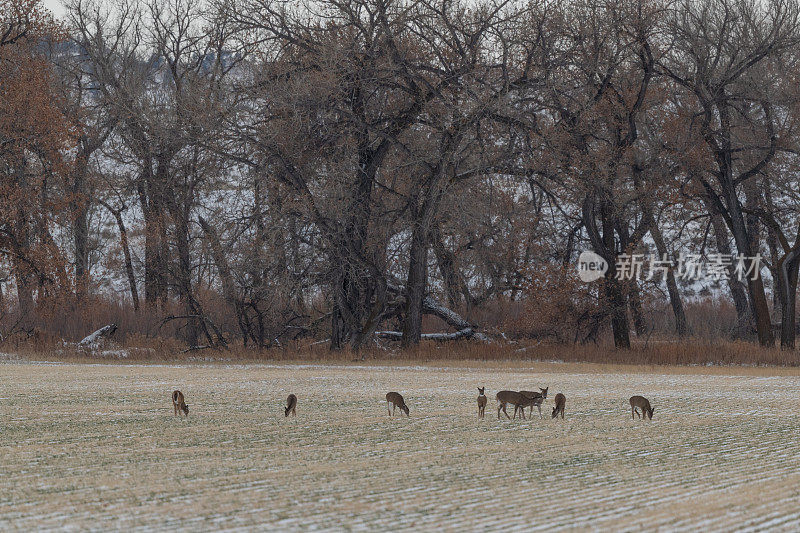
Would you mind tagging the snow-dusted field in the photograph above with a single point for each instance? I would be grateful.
(97, 446)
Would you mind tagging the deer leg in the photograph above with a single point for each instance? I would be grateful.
(388, 408)
(540, 410)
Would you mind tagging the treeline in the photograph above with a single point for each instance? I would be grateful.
(340, 169)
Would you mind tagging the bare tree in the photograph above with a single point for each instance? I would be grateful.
(716, 49)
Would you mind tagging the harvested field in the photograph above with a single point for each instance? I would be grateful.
(97, 446)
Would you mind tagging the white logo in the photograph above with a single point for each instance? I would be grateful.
(591, 266)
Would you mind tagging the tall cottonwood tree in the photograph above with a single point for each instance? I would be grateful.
(718, 47)
(344, 102)
(159, 69)
(34, 135)
(602, 67)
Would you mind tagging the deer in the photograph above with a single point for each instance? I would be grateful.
(291, 404)
(395, 399)
(178, 403)
(560, 402)
(481, 402)
(640, 402)
(516, 399)
(533, 395)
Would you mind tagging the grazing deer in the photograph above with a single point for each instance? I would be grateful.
(561, 401)
(481, 402)
(640, 402)
(395, 399)
(291, 404)
(533, 401)
(179, 403)
(514, 398)
(533, 395)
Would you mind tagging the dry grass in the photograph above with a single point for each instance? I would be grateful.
(690, 352)
(144, 336)
(96, 446)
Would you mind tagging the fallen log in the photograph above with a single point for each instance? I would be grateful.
(465, 330)
(196, 348)
(453, 319)
(466, 333)
(102, 333)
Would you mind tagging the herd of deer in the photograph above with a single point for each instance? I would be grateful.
(520, 400)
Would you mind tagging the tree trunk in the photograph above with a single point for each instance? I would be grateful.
(447, 267)
(153, 197)
(739, 228)
(736, 287)
(774, 268)
(184, 273)
(80, 228)
(228, 286)
(635, 303)
(27, 306)
(787, 287)
(416, 285)
(126, 252)
(681, 327)
(153, 260)
(615, 297)
(755, 287)
(356, 281)
(22, 270)
(337, 329)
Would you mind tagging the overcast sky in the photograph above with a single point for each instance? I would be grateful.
(55, 7)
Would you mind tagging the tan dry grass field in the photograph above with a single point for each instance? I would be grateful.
(97, 447)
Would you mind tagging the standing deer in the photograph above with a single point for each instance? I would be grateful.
(481, 402)
(518, 400)
(561, 402)
(395, 399)
(178, 403)
(291, 404)
(640, 402)
(536, 397)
